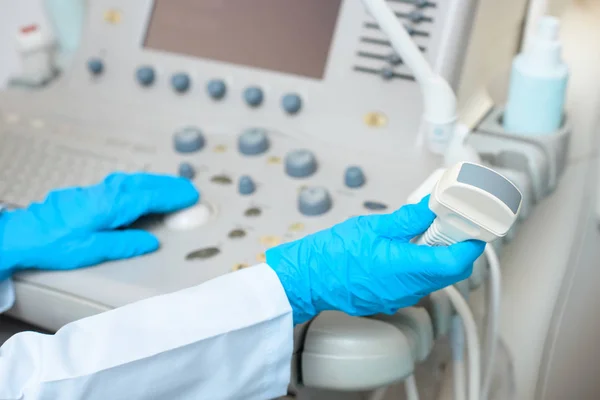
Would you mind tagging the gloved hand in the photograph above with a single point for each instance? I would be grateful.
(75, 227)
(367, 265)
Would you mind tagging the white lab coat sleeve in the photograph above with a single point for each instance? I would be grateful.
(7, 295)
(229, 338)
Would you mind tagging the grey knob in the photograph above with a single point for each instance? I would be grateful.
(253, 141)
(354, 177)
(180, 82)
(145, 75)
(216, 89)
(187, 170)
(246, 185)
(387, 73)
(95, 66)
(253, 96)
(416, 16)
(300, 163)
(291, 103)
(188, 140)
(314, 201)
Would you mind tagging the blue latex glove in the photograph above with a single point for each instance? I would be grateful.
(367, 265)
(75, 227)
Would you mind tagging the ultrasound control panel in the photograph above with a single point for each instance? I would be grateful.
(289, 116)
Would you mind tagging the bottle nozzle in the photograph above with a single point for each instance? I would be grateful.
(548, 28)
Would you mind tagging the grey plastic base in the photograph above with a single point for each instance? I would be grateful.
(351, 354)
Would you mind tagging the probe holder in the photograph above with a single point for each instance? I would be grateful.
(542, 157)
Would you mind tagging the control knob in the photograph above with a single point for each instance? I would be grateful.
(216, 89)
(246, 185)
(354, 177)
(300, 163)
(95, 66)
(180, 82)
(145, 75)
(188, 140)
(314, 201)
(253, 96)
(253, 141)
(291, 103)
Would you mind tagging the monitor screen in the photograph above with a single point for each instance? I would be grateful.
(289, 36)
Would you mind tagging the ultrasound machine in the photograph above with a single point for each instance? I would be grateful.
(291, 116)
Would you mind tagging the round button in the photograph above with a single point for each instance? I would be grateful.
(188, 140)
(180, 82)
(354, 177)
(314, 201)
(246, 185)
(253, 96)
(291, 103)
(216, 89)
(95, 66)
(145, 75)
(253, 141)
(300, 163)
(189, 218)
(186, 170)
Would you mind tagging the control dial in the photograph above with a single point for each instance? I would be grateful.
(188, 140)
(145, 75)
(354, 177)
(181, 82)
(314, 201)
(186, 170)
(246, 185)
(95, 66)
(300, 163)
(253, 96)
(291, 103)
(253, 141)
(216, 89)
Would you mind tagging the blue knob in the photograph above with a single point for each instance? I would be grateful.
(145, 75)
(96, 66)
(246, 185)
(415, 16)
(216, 89)
(354, 177)
(409, 29)
(387, 73)
(421, 3)
(314, 201)
(300, 163)
(253, 141)
(291, 103)
(187, 170)
(180, 82)
(253, 96)
(394, 59)
(188, 140)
